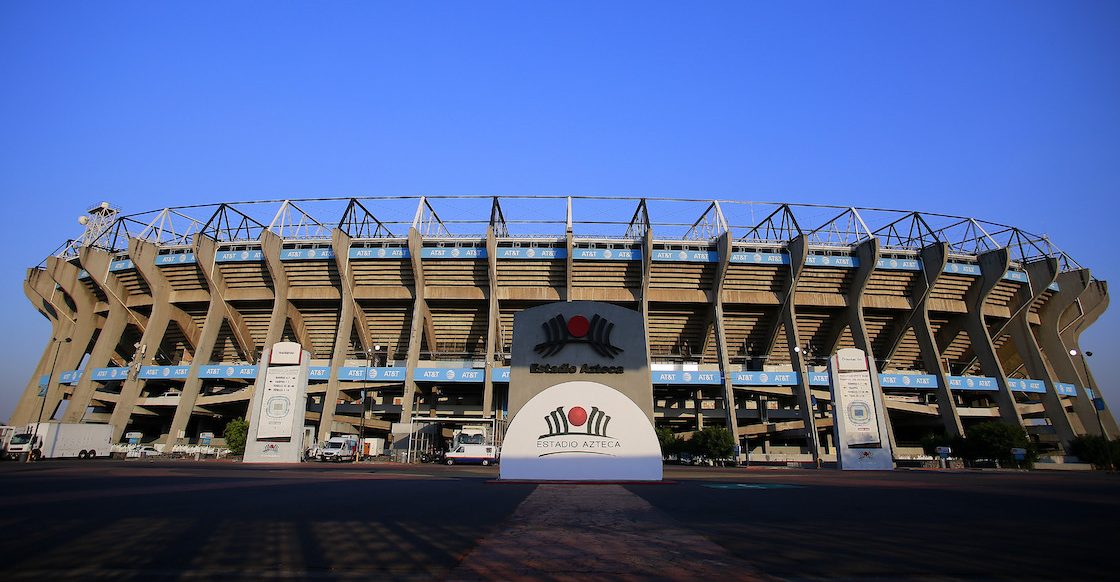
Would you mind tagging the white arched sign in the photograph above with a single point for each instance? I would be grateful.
(581, 430)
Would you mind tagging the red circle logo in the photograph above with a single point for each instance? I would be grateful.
(577, 416)
(578, 326)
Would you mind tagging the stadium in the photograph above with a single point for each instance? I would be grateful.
(406, 305)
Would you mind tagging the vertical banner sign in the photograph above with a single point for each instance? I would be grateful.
(859, 420)
(278, 406)
(281, 389)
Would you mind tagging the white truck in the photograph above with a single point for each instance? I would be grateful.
(6, 434)
(466, 453)
(341, 448)
(57, 440)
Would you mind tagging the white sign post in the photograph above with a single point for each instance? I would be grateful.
(278, 407)
(859, 420)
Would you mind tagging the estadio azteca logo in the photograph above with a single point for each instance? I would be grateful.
(576, 421)
(578, 330)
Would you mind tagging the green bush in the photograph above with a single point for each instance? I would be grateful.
(713, 442)
(671, 444)
(994, 440)
(1098, 450)
(236, 432)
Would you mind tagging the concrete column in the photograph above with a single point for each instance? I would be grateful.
(340, 242)
(77, 327)
(205, 250)
(993, 265)
(271, 246)
(1040, 275)
(723, 251)
(867, 253)
(570, 244)
(493, 321)
(1094, 301)
(39, 289)
(1057, 314)
(143, 253)
(934, 258)
(798, 250)
(419, 314)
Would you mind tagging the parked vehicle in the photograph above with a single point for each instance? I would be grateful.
(6, 434)
(342, 448)
(56, 440)
(143, 452)
(478, 454)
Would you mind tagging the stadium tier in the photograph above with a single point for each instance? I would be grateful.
(159, 318)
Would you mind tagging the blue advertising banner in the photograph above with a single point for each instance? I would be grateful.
(453, 253)
(1065, 389)
(357, 374)
(1019, 276)
(1024, 385)
(121, 265)
(972, 383)
(1054, 287)
(228, 371)
(764, 378)
(83, 274)
(500, 375)
(109, 374)
(175, 259)
(584, 254)
(759, 258)
(705, 377)
(70, 377)
(242, 256)
(818, 378)
(962, 269)
(379, 253)
(685, 256)
(893, 264)
(908, 381)
(843, 261)
(448, 374)
(532, 253)
(318, 254)
(318, 372)
(164, 372)
(44, 380)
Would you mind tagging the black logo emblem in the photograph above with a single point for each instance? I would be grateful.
(595, 333)
(561, 424)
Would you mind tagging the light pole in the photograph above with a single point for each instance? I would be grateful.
(43, 402)
(1096, 398)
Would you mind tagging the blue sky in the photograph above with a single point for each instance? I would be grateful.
(1005, 111)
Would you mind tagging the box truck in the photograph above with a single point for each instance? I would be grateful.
(57, 440)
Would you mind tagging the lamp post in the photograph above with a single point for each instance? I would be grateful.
(43, 402)
(1096, 398)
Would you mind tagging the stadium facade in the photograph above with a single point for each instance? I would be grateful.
(158, 319)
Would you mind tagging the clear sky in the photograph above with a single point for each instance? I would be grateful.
(1005, 111)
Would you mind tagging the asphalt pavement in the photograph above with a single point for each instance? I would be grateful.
(178, 519)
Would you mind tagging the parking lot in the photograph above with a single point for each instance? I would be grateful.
(174, 519)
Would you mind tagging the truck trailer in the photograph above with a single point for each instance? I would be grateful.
(57, 440)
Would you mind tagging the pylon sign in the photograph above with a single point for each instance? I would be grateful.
(580, 396)
(859, 419)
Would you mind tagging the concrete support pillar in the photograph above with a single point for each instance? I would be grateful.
(1056, 316)
(419, 315)
(723, 252)
(143, 253)
(934, 258)
(798, 250)
(1093, 301)
(1040, 275)
(993, 266)
(867, 253)
(66, 325)
(40, 290)
(493, 321)
(205, 250)
(340, 243)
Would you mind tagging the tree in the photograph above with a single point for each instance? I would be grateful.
(994, 440)
(713, 442)
(236, 433)
(1096, 449)
(670, 443)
